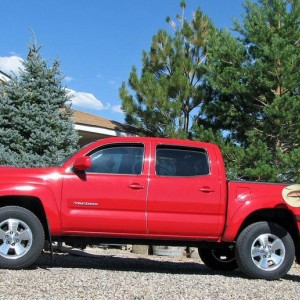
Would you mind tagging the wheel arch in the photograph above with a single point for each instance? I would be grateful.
(282, 217)
(32, 204)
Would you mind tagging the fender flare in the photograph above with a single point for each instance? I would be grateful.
(235, 222)
(41, 193)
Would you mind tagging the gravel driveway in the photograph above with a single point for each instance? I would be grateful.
(119, 274)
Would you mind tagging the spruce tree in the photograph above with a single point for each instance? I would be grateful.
(255, 78)
(170, 91)
(36, 128)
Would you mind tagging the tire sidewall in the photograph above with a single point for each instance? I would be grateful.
(244, 246)
(210, 260)
(38, 238)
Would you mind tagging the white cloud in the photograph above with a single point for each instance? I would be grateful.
(85, 100)
(68, 78)
(11, 65)
(114, 108)
(117, 108)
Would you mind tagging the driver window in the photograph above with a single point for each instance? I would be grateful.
(117, 159)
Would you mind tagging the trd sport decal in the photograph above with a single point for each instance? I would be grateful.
(291, 195)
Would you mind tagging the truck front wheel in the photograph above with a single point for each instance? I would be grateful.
(265, 250)
(21, 237)
(218, 259)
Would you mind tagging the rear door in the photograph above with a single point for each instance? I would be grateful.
(184, 193)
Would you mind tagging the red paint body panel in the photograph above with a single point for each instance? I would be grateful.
(147, 206)
(116, 207)
(44, 184)
(177, 206)
(244, 198)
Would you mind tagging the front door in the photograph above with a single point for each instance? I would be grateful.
(110, 197)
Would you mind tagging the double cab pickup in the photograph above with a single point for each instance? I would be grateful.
(153, 191)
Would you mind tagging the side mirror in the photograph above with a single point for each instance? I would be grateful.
(82, 163)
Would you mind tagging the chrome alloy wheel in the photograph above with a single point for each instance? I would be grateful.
(268, 252)
(15, 238)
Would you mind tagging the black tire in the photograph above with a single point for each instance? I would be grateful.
(219, 259)
(265, 251)
(21, 237)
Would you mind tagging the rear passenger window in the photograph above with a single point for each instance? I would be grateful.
(179, 161)
(117, 159)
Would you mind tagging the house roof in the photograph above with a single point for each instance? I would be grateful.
(88, 119)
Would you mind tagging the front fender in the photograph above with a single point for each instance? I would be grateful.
(41, 192)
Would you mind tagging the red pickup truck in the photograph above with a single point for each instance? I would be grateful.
(150, 191)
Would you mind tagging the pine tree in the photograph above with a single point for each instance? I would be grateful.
(36, 128)
(170, 91)
(255, 79)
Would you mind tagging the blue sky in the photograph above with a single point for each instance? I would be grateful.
(96, 41)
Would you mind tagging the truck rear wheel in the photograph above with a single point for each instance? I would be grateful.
(21, 237)
(265, 250)
(219, 259)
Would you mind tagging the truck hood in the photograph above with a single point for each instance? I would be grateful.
(29, 175)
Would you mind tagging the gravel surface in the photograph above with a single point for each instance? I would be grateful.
(119, 274)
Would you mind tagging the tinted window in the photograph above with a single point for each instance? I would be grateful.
(121, 159)
(172, 161)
